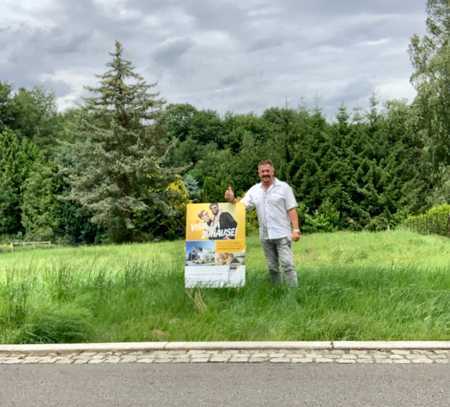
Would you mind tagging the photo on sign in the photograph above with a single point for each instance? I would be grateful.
(200, 253)
(234, 260)
(217, 222)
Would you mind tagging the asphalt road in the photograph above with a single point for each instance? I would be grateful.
(224, 385)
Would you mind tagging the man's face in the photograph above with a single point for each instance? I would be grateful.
(214, 209)
(203, 215)
(266, 173)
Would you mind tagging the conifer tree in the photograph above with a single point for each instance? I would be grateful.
(408, 173)
(117, 170)
(39, 202)
(310, 160)
(16, 158)
(286, 129)
(339, 167)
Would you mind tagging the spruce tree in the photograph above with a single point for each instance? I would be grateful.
(409, 173)
(339, 168)
(117, 170)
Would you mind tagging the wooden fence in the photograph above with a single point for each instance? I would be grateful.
(20, 244)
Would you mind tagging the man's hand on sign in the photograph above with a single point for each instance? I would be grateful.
(229, 194)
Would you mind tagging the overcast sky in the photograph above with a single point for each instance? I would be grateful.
(226, 55)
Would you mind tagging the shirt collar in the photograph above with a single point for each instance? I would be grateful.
(274, 184)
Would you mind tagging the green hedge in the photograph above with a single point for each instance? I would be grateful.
(435, 220)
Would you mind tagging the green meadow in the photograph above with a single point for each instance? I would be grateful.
(353, 286)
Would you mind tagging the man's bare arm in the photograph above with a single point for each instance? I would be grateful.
(292, 213)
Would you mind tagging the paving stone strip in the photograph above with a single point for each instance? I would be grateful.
(346, 356)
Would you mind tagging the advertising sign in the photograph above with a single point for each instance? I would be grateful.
(215, 245)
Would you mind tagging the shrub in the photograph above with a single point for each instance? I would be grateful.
(325, 219)
(435, 220)
(251, 222)
(65, 324)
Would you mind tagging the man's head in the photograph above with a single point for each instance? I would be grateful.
(214, 208)
(266, 172)
(203, 215)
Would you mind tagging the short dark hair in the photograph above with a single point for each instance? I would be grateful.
(265, 162)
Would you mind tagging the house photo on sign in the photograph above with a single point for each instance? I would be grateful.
(215, 245)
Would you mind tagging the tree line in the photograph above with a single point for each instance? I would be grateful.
(122, 166)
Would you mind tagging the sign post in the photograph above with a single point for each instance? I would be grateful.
(215, 245)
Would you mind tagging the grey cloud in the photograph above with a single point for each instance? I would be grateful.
(231, 80)
(221, 54)
(59, 88)
(211, 15)
(66, 43)
(326, 8)
(169, 52)
(345, 34)
(216, 15)
(242, 78)
(349, 93)
(265, 43)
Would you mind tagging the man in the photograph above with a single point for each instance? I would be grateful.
(276, 210)
(222, 225)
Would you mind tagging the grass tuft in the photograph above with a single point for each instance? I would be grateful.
(65, 324)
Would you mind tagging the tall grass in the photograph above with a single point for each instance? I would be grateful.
(390, 285)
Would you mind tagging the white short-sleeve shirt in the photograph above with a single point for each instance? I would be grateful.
(272, 206)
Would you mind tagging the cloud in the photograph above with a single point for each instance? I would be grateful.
(59, 88)
(225, 55)
(171, 50)
(61, 43)
(265, 43)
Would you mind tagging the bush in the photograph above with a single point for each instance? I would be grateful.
(65, 324)
(435, 220)
(325, 219)
(251, 225)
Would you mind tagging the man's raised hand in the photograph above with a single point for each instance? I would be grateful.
(229, 194)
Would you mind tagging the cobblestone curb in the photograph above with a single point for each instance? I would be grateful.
(394, 356)
(397, 352)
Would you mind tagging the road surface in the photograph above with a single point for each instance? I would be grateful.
(186, 385)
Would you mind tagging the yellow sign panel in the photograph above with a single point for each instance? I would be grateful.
(215, 221)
